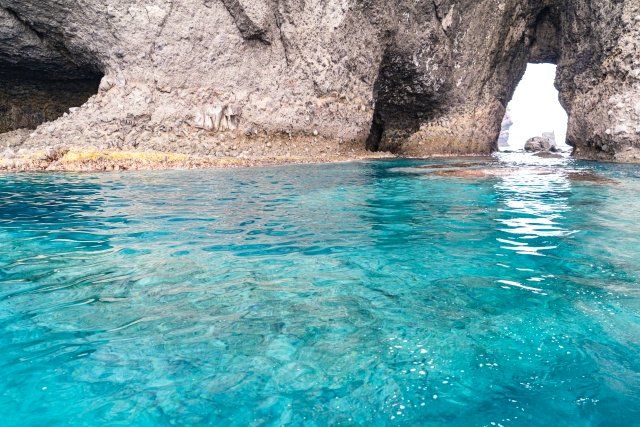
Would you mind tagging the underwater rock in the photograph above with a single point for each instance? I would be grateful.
(591, 177)
(548, 155)
(497, 172)
(475, 173)
(453, 165)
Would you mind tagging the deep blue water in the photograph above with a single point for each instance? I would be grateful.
(362, 293)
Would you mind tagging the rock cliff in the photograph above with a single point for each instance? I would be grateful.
(304, 78)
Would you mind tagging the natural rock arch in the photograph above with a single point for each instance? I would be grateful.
(416, 77)
(591, 42)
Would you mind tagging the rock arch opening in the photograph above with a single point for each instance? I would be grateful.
(535, 111)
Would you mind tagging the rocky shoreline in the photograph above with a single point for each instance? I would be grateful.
(100, 158)
(255, 81)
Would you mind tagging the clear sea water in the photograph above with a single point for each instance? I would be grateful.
(360, 293)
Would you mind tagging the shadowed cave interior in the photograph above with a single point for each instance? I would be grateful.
(30, 97)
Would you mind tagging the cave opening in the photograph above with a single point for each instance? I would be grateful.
(40, 76)
(534, 111)
(30, 97)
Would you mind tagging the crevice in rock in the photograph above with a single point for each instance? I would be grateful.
(24, 23)
(283, 39)
(247, 27)
(438, 15)
(376, 133)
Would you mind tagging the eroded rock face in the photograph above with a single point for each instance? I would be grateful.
(414, 77)
(599, 81)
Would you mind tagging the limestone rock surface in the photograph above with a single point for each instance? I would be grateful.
(239, 77)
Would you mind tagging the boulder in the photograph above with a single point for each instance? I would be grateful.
(537, 144)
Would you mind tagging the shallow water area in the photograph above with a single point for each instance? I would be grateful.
(373, 292)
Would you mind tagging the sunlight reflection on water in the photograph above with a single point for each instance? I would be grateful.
(534, 205)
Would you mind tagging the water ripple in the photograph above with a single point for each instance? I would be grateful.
(339, 294)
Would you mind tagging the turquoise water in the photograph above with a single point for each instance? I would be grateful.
(361, 293)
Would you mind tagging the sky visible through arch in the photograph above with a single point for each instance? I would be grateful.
(535, 107)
